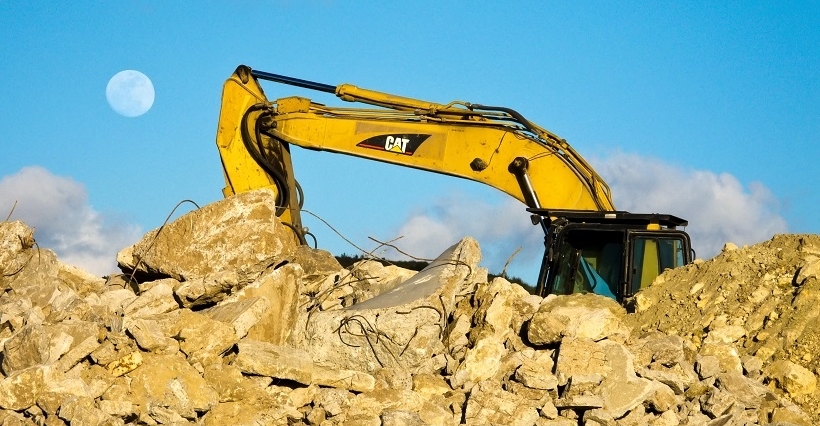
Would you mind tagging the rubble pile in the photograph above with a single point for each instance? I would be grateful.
(755, 308)
(220, 318)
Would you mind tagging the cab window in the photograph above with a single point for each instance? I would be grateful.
(651, 256)
(589, 262)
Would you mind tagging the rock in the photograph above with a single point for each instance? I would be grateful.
(792, 378)
(280, 362)
(83, 411)
(581, 385)
(579, 315)
(659, 349)
(16, 241)
(242, 315)
(809, 269)
(667, 418)
(208, 289)
(719, 403)
(374, 403)
(536, 373)
(15, 237)
(679, 377)
(663, 398)
(239, 233)
(38, 281)
(302, 396)
(481, 362)
(621, 389)
(489, 404)
(169, 381)
(752, 366)
(149, 335)
(201, 338)
(789, 416)
(401, 418)
(228, 382)
(725, 334)
(727, 355)
(580, 357)
(598, 417)
(163, 415)
(316, 263)
(20, 390)
(82, 282)
(125, 364)
(707, 366)
(333, 402)
(393, 378)
(115, 300)
(156, 298)
(430, 386)
(66, 342)
(746, 391)
(280, 291)
(240, 413)
(94, 380)
(356, 381)
(119, 409)
(369, 278)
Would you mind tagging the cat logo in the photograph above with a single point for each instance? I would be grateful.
(406, 143)
(395, 144)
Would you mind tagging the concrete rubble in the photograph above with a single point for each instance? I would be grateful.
(220, 318)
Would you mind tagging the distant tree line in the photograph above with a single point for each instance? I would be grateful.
(414, 265)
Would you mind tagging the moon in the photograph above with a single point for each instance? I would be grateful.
(130, 93)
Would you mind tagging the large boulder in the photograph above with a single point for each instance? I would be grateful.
(577, 316)
(240, 233)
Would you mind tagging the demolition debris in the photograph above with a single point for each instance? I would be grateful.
(219, 318)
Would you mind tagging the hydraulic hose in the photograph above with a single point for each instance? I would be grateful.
(283, 195)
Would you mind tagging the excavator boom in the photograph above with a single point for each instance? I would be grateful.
(492, 145)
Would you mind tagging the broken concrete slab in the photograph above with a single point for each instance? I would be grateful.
(399, 328)
(240, 233)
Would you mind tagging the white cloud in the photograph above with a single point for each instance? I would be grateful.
(57, 208)
(501, 225)
(718, 207)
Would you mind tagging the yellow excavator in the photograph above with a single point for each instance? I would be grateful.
(590, 247)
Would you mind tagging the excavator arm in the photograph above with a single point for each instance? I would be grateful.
(492, 145)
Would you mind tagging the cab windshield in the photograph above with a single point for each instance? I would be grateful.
(589, 262)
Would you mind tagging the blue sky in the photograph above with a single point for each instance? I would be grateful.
(703, 110)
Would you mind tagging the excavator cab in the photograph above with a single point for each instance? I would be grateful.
(614, 254)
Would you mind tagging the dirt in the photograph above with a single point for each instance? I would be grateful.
(763, 299)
